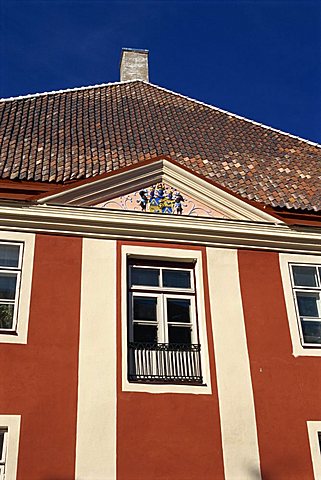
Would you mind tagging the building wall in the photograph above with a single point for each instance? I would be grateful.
(286, 388)
(172, 436)
(39, 379)
(77, 420)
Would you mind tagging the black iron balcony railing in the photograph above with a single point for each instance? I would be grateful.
(164, 363)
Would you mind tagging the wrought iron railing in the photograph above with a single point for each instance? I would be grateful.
(164, 363)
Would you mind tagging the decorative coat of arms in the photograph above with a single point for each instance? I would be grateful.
(161, 199)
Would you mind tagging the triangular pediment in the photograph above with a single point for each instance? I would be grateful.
(165, 187)
(161, 198)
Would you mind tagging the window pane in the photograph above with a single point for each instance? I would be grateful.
(1, 444)
(145, 333)
(176, 278)
(311, 332)
(307, 304)
(305, 276)
(178, 310)
(8, 286)
(179, 334)
(145, 308)
(6, 316)
(145, 276)
(9, 255)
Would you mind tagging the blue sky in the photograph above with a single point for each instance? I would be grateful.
(259, 59)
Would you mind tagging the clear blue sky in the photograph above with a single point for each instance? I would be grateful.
(260, 59)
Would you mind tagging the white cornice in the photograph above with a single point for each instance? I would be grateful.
(102, 190)
(97, 191)
(139, 226)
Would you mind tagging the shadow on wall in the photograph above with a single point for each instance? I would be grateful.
(279, 471)
(254, 474)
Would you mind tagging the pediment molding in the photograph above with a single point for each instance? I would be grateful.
(138, 177)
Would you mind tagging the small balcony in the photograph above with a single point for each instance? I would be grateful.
(174, 363)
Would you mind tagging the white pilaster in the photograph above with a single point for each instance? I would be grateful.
(236, 403)
(96, 411)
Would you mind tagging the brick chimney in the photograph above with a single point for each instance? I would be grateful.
(134, 65)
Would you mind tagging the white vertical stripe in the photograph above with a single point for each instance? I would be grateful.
(96, 411)
(236, 404)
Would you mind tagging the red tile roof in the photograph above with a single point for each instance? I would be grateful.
(80, 133)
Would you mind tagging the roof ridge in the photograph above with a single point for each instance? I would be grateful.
(74, 89)
(235, 115)
(199, 102)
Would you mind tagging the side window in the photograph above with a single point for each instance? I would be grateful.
(306, 287)
(163, 337)
(3, 452)
(10, 278)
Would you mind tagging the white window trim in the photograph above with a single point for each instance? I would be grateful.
(313, 428)
(12, 424)
(285, 261)
(22, 304)
(17, 272)
(166, 254)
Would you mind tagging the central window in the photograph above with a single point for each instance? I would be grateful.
(163, 334)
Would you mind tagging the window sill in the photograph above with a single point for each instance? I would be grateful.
(167, 381)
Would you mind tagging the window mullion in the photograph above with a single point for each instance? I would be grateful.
(163, 338)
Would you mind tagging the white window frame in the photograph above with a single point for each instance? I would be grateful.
(162, 294)
(9, 461)
(314, 428)
(162, 268)
(176, 255)
(310, 291)
(17, 272)
(193, 317)
(4, 446)
(19, 332)
(286, 260)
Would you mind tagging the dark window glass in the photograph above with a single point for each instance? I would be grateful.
(305, 276)
(145, 333)
(6, 316)
(145, 276)
(179, 334)
(308, 304)
(1, 443)
(319, 438)
(178, 310)
(311, 332)
(145, 308)
(7, 286)
(176, 278)
(9, 255)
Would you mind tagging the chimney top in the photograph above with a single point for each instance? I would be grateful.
(134, 65)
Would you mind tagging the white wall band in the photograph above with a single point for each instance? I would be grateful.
(96, 411)
(236, 403)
